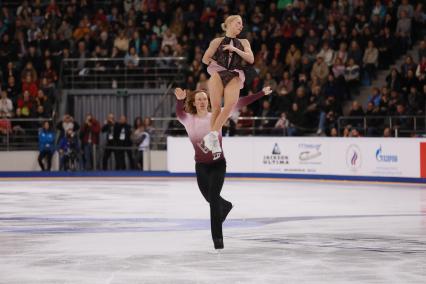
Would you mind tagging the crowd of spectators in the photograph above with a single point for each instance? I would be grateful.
(314, 54)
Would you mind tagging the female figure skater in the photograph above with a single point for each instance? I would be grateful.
(192, 110)
(225, 58)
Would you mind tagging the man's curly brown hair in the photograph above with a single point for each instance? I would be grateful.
(190, 99)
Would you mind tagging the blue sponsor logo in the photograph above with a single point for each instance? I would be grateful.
(385, 158)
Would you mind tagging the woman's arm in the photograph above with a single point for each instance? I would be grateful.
(214, 44)
(247, 54)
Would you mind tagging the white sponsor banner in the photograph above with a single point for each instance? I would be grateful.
(390, 157)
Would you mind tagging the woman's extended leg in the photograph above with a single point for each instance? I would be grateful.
(231, 95)
(215, 87)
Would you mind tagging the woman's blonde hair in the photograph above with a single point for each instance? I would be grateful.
(190, 99)
(229, 20)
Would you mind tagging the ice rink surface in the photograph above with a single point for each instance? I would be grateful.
(152, 230)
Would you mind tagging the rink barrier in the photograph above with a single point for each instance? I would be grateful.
(16, 175)
(306, 156)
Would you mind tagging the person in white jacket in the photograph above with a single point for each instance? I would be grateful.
(6, 106)
(142, 139)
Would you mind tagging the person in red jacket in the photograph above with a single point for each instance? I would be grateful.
(29, 85)
(89, 135)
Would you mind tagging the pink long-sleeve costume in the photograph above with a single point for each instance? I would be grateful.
(198, 127)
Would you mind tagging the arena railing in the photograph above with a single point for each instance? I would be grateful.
(107, 73)
(402, 125)
(61, 3)
(20, 133)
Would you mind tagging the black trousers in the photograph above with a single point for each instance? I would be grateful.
(210, 178)
(106, 156)
(120, 159)
(45, 154)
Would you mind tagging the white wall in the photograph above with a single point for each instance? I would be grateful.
(23, 161)
(27, 161)
(157, 159)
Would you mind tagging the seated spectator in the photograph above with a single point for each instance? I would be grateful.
(266, 125)
(334, 132)
(270, 81)
(245, 123)
(356, 111)
(327, 53)
(159, 28)
(401, 124)
(25, 106)
(403, 30)
(285, 86)
(131, 60)
(29, 85)
(373, 124)
(338, 68)
(49, 73)
(409, 81)
(169, 38)
(202, 82)
(89, 135)
(352, 77)
(293, 58)
(13, 90)
(280, 127)
(43, 101)
(6, 105)
(296, 120)
(46, 142)
(421, 70)
(387, 133)
(229, 128)
(320, 69)
(371, 61)
(5, 126)
(375, 96)
(394, 80)
(408, 64)
(355, 53)
(276, 69)
(342, 53)
(65, 30)
(81, 31)
(10, 71)
(355, 133)
(311, 54)
(48, 90)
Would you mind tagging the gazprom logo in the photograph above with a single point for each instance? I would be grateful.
(385, 158)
